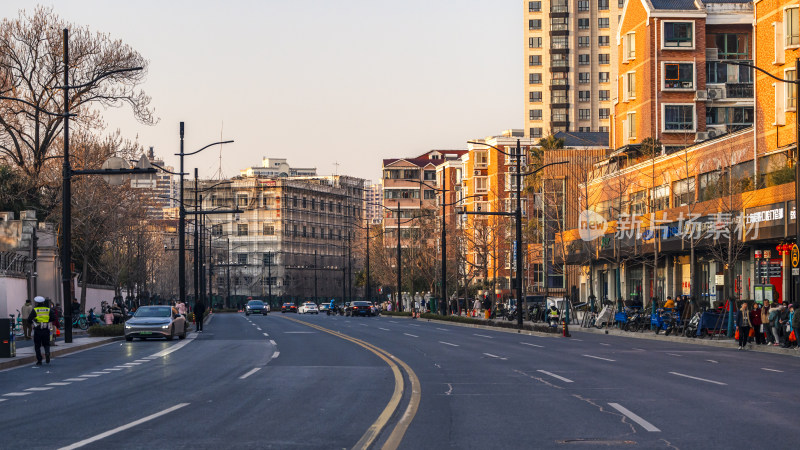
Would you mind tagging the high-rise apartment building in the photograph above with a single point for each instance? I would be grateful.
(373, 198)
(161, 189)
(569, 65)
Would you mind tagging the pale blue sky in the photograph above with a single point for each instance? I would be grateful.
(353, 81)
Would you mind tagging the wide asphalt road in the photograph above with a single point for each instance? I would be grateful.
(289, 381)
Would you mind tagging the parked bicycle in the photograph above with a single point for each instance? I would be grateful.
(18, 329)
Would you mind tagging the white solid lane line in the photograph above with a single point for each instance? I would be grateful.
(447, 343)
(249, 373)
(772, 370)
(532, 345)
(566, 380)
(698, 379)
(123, 428)
(597, 357)
(412, 335)
(627, 413)
(482, 335)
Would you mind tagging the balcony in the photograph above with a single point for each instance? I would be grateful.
(559, 8)
(559, 117)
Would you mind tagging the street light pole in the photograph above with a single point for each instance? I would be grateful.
(399, 272)
(66, 207)
(518, 216)
(443, 308)
(181, 232)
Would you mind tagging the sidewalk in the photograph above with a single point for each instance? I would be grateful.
(26, 354)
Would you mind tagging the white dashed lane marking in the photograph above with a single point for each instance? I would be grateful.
(37, 389)
(412, 335)
(17, 394)
(447, 343)
(597, 357)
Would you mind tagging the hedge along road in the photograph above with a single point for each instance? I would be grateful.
(400, 428)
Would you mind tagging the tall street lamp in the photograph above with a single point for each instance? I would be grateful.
(182, 217)
(399, 252)
(517, 216)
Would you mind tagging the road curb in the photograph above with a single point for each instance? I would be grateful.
(730, 344)
(55, 352)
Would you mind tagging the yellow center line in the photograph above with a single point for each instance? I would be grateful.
(396, 436)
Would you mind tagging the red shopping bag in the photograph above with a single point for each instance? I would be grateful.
(792, 337)
(752, 333)
(736, 335)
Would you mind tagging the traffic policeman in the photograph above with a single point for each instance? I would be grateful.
(41, 317)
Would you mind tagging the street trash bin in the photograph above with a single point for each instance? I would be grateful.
(8, 346)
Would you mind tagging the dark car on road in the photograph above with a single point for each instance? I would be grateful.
(359, 309)
(288, 307)
(255, 307)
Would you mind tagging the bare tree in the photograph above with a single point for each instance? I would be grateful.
(32, 69)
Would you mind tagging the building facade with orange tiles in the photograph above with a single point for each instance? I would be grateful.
(712, 219)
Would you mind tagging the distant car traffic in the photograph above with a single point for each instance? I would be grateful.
(308, 308)
(255, 307)
(288, 307)
(359, 308)
(155, 322)
(324, 307)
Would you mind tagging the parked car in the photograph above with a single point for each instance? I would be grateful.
(255, 307)
(156, 321)
(308, 308)
(324, 307)
(288, 307)
(359, 308)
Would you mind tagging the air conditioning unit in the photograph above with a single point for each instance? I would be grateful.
(712, 54)
(700, 96)
(716, 93)
(716, 131)
(477, 173)
(701, 136)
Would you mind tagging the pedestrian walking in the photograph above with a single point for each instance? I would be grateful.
(27, 308)
(199, 310)
(774, 319)
(476, 307)
(796, 328)
(487, 307)
(54, 331)
(783, 325)
(42, 317)
(181, 308)
(755, 319)
(766, 328)
(743, 324)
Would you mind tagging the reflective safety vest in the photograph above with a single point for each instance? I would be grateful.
(42, 315)
(553, 313)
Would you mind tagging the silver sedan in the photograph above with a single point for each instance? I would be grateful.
(155, 322)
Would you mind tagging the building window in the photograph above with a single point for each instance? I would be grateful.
(583, 77)
(630, 86)
(584, 129)
(683, 192)
(535, 60)
(305, 231)
(629, 44)
(583, 41)
(583, 60)
(638, 203)
(241, 200)
(559, 97)
(535, 114)
(305, 203)
(603, 41)
(559, 42)
(731, 46)
(602, 22)
(268, 259)
(604, 77)
(604, 58)
(534, 78)
(559, 115)
(790, 20)
(534, 6)
(584, 96)
(602, 129)
(429, 175)
(604, 95)
(584, 114)
(583, 24)
(241, 258)
(216, 230)
(678, 117)
(535, 96)
(535, 42)
(678, 34)
(535, 24)
(559, 60)
(735, 117)
(604, 113)
(602, 5)
(241, 229)
(678, 76)
(429, 194)
(583, 5)
(269, 230)
(631, 125)
(559, 6)
(536, 132)
(791, 89)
